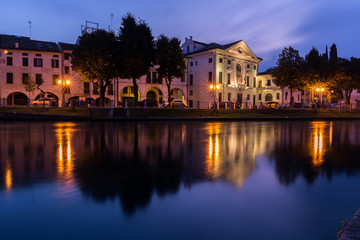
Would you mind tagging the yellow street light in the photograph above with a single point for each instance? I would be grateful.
(64, 84)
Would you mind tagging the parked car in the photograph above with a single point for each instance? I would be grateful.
(270, 105)
(44, 101)
(176, 103)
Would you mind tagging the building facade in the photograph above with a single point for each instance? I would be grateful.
(225, 73)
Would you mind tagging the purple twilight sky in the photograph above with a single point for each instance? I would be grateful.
(266, 26)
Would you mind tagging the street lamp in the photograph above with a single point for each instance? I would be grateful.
(321, 90)
(214, 87)
(64, 84)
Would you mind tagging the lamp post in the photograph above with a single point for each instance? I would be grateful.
(64, 84)
(320, 90)
(214, 87)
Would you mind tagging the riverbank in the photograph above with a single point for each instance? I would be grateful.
(73, 114)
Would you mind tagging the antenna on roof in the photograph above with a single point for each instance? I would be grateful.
(89, 28)
(30, 27)
(111, 20)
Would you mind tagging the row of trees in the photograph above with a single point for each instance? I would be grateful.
(317, 70)
(102, 56)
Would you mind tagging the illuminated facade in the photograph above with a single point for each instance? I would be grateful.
(232, 68)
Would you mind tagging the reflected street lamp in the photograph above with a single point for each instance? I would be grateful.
(64, 84)
(214, 87)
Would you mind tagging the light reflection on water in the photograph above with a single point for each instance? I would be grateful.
(128, 163)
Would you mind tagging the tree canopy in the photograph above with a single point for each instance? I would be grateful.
(170, 57)
(136, 50)
(95, 59)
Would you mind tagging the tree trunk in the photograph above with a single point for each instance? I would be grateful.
(102, 95)
(347, 96)
(136, 95)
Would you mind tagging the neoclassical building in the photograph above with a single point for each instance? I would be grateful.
(226, 73)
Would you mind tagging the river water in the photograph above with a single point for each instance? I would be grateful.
(178, 180)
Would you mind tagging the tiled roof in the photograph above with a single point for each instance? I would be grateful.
(67, 46)
(25, 43)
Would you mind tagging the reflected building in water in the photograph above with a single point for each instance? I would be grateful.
(133, 161)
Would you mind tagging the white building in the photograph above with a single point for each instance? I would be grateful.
(225, 73)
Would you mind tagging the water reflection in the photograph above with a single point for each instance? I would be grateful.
(130, 162)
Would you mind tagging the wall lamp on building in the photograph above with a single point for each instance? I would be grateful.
(65, 84)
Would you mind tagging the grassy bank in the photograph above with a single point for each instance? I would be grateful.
(149, 113)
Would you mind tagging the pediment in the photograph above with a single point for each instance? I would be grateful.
(241, 49)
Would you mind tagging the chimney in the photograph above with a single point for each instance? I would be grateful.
(16, 45)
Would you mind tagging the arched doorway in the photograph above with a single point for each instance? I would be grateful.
(176, 93)
(154, 94)
(127, 94)
(268, 97)
(17, 99)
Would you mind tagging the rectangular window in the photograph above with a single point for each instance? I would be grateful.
(25, 62)
(229, 97)
(277, 96)
(210, 77)
(260, 97)
(247, 81)
(67, 56)
(254, 82)
(191, 92)
(38, 62)
(260, 84)
(39, 79)
(9, 61)
(55, 78)
(254, 67)
(195, 63)
(248, 97)
(248, 66)
(210, 60)
(25, 54)
(229, 79)
(268, 83)
(229, 61)
(220, 60)
(220, 77)
(9, 78)
(191, 104)
(111, 89)
(148, 77)
(191, 80)
(55, 56)
(286, 95)
(54, 63)
(67, 70)
(154, 77)
(191, 64)
(38, 55)
(25, 77)
(86, 88)
(220, 96)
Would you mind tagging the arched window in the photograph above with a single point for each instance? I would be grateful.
(268, 97)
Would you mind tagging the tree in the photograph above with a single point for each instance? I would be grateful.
(288, 70)
(137, 50)
(95, 59)
(170, 57)
(347, 77)
(30, 85)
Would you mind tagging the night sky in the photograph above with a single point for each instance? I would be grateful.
(265, 26)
